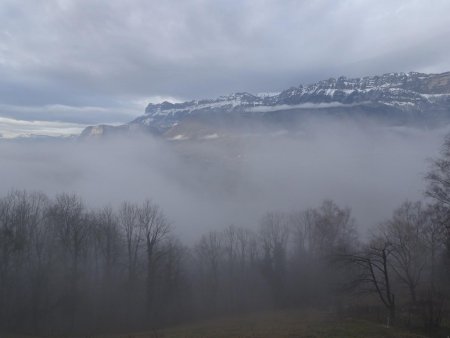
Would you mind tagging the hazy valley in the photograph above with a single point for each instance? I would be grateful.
(196, 168)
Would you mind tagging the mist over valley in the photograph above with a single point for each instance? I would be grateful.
(195, 168)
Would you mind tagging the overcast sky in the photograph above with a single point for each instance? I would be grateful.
(101, 61)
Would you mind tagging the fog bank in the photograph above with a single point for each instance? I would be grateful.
(214, 183)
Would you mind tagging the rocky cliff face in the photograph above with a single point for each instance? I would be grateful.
(396, 98)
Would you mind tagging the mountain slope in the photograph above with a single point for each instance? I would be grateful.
(394, 98)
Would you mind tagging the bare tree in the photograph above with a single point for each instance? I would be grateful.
(106, 262)
(438, 177)
(438, 189)
(240, 250)
(415, 238)
(247, 248)
(22, 236)
(61, 266)
(173, 294)
(129, 221)
(11, 243)
(435, 235)
(274, 235)
(371, 273)
(40, 258)
(108, 240)
(155, 227)
(405, 232)
(334, 229)
(209, 253)
(69, 223)
(302, 224)
(324, 230)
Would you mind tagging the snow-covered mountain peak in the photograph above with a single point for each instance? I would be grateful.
(400, 96)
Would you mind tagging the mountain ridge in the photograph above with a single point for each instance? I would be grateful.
(402, 97)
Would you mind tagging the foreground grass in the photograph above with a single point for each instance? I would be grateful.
(278, 324)
(310, 324)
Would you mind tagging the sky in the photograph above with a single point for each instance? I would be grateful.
(65, 64)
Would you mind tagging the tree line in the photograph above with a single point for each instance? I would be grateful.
(67, 268)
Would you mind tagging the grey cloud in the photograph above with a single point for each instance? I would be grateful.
(98, 52)
(63, 113)
(11, 128)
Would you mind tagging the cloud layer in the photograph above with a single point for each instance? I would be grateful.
(116, 55)
(211, 184)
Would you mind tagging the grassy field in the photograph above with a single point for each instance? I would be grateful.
(274, 324)
(278, 324)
